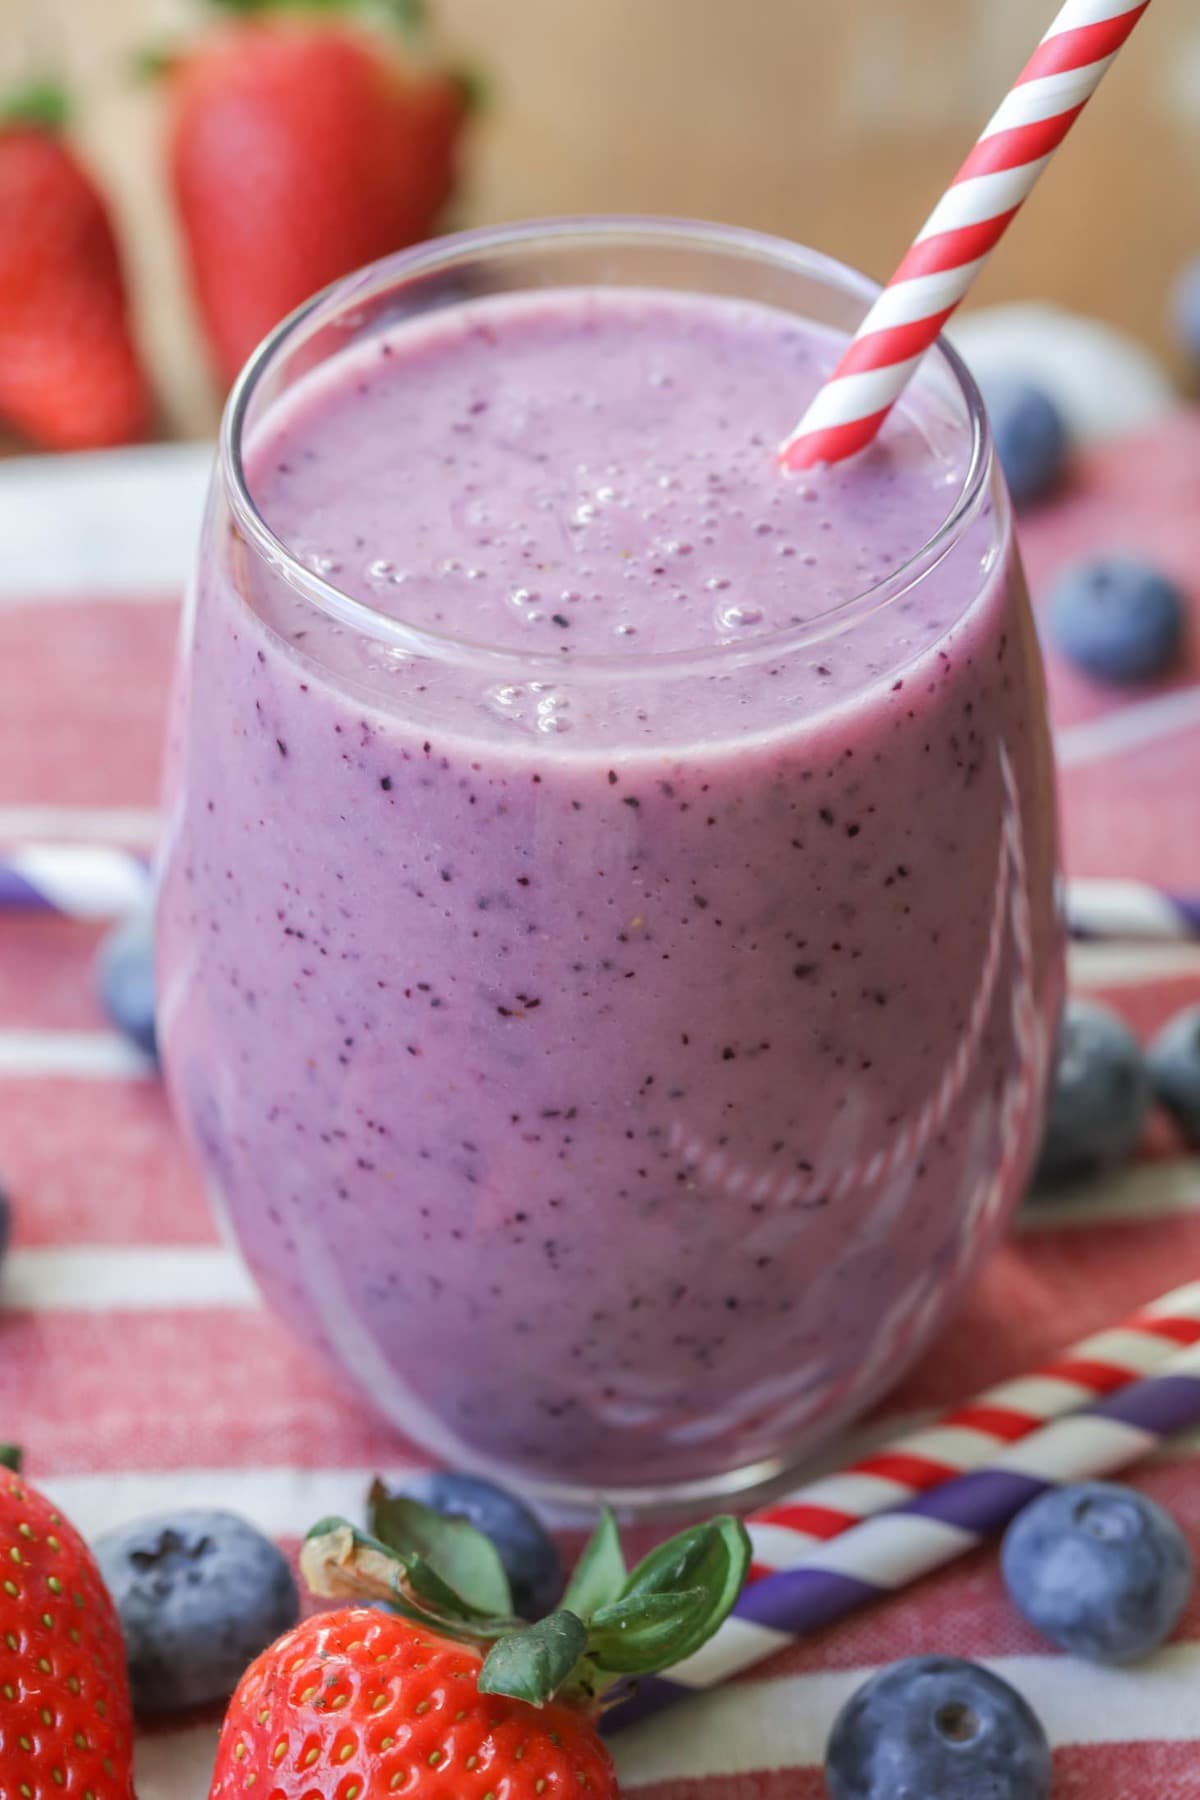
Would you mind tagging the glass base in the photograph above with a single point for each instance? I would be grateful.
(738, 1490)
(569, 1503)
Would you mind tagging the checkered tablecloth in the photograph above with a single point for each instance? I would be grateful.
(135, 1362)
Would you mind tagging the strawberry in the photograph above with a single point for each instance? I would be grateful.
(359, 1703)
(300, 150)
(66, 1722)
(449, 1696)
(69, 373)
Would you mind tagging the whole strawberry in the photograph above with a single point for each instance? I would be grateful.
(66, 1724)
(300, 150)
(359, 1702)
(69, 373)
(449, 1697)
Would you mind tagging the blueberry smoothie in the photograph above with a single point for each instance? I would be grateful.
(607, 980)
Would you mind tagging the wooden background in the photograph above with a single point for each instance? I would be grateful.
(835, 121)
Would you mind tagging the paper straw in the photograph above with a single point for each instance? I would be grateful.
(963, 230)
(1131, 910)
(966, 1437)
(932, 1495)
(78, 881)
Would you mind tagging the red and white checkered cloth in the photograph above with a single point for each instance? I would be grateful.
(135, 1363)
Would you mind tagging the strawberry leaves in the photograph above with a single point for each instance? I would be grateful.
(341, 1563)
(672, 1603)
(41, 104)
(444, 1574)
(410, 17)
(711, 1560)
(600, 1572)
(638, 1635)
(466, 1560)
(535, 1664)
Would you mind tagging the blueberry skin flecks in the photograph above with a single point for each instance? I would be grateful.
(937, 1728)
(1100, 1094)
(1174, 1062)
(200, 1595)
(528, 1552)
(1118, 619)
(1099, 1569)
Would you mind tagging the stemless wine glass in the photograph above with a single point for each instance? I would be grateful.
(617, 1063)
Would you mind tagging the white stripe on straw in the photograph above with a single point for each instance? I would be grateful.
(86, 881)
(1130, 910)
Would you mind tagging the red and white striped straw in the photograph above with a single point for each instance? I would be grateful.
(962, 231)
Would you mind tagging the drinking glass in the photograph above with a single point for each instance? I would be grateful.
(620, 1114)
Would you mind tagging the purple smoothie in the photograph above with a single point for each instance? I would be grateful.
(603, 1039)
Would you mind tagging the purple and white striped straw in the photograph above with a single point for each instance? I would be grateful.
(77, 881)
(891, 1549)
(1130, 910)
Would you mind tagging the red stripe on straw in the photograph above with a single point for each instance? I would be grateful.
(1101, 1378)
(1079, 48)
(817, 1521)
(951, 249)
(1180, 1331)
(1023, 144)
(994, 1421)
(879, 349)
(905, 1467)
(839, 441)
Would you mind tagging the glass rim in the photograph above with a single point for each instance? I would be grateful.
(404, 637)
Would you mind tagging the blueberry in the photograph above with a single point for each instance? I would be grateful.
(530, 1557)
(1185, 308)
(1099, 1569)
(937, 1728)
(1174, 1061)
(125, 977)
(1117, 618)
(200, 1595)
(1100, 1097)
(1029, 435)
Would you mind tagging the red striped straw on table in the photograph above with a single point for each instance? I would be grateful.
(849, 1538)
(962, 231)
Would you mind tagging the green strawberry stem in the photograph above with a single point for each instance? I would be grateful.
(154, 62)
(41, 103)
(611, 1626)
(410, 19)
(11, 1457)
(408, 16)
